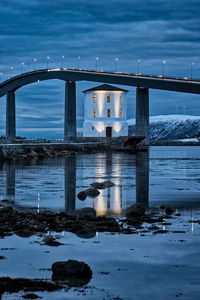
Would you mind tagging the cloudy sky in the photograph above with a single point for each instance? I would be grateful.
(151, 30)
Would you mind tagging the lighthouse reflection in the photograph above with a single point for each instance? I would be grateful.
(112, 200)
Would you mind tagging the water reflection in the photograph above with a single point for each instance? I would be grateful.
(55, 183)
(10, 181)
(70, 184)
(109, 202)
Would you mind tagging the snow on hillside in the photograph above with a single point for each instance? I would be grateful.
(170, 127)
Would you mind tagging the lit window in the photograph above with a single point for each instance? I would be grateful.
(95, 113)
(94, 98)
(108, 112)
(121, 98)
(108, 98)
(121, 113)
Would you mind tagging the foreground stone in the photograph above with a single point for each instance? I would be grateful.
(102, 185)
(90, 192)
(134, 211)
(71, 272)
(10, 285)
(86, 213)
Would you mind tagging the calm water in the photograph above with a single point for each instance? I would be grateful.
(169, 175)
(130, 267)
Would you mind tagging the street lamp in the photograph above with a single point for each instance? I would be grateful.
(48, 58)
(163, 67)
(138, 65)
(79, 62)
(22, 67)
(34, 62)
(11, 71)
(192, 65)
(62, 61)
(116, 63)
(97, 59)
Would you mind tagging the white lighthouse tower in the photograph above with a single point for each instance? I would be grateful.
(105, 113)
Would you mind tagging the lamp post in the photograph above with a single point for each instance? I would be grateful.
(22, 67)
(11, 71)
(97, 59)
(192, 66)
(138, 66)
(62, 61)
(116, 63)
(78, 61)
(34, 62)
(48, 58)
(163, 67)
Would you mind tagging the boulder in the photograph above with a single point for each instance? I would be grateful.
(108, 184)
(169, 210)
(102, 185)
(90, 192)
(51, 241)
(6, 210)
(71, 272)
(134, 211)
(86, 213)
(98, 185)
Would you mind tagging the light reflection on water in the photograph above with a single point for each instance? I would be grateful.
(169, 175)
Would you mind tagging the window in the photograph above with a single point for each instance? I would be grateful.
(95, 113)
(94, 98)
(108, 98)
(121, 113)
(108, 112)
(121, 98)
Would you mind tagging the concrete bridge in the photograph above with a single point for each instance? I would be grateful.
(70, 76)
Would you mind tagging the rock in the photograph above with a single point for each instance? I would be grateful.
(135, 210)
(102, 185)
(108, 184)
(6, 210)
(31, 296)
(90, 192)
(98, 185)
(86, 213)
(15, 285)
(71, 272)
(51, 241)
(169, 210)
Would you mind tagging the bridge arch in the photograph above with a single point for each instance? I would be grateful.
(142, 82)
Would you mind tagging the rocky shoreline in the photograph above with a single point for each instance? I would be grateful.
(40, 150)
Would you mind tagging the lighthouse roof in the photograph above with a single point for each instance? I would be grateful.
(105, 87)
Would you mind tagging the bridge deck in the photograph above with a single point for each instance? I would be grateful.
(177, 84)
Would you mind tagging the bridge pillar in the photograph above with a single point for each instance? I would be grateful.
(142, 178)
(10, 181)
(70, 110)
(10, 117)
(142, 113)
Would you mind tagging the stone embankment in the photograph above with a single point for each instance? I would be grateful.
(27, 149)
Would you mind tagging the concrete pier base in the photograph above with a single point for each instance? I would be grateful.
(70, 111)
(142, 114)
(142, 178)
(10, 118)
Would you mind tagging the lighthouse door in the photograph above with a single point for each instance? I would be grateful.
(108, 132)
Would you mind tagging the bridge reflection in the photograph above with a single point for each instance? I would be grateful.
(107, 166)
(110, 200)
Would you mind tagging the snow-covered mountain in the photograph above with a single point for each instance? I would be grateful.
(170, 127)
